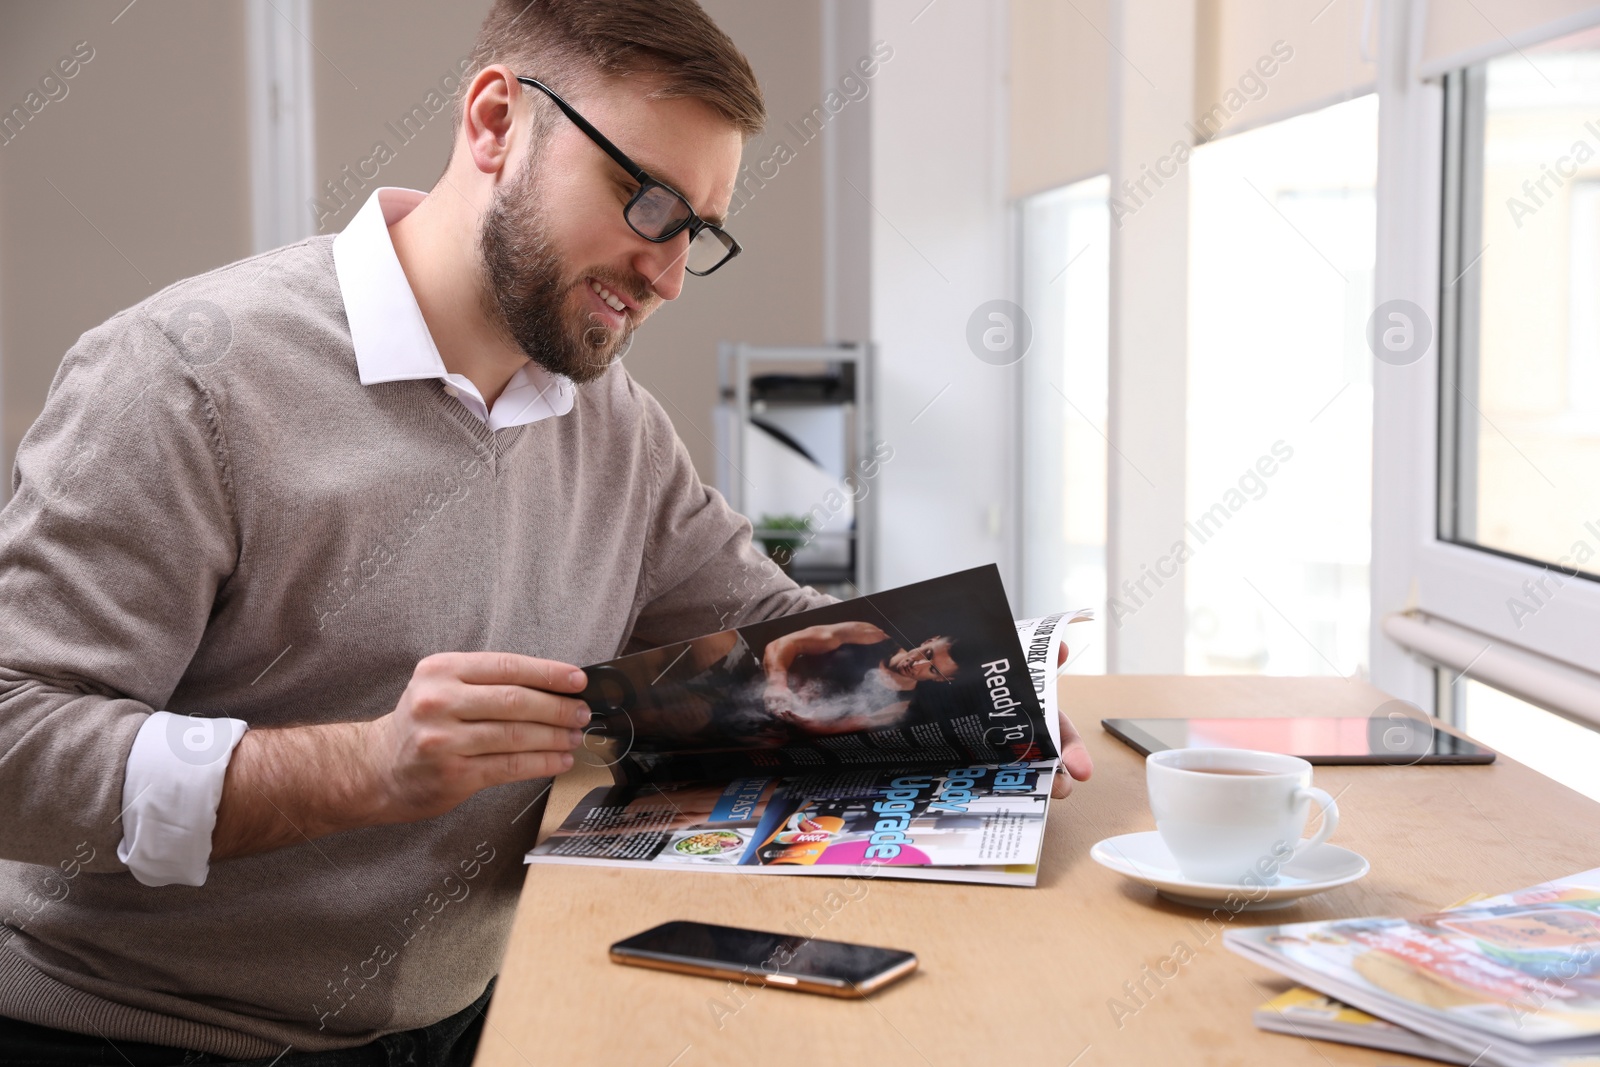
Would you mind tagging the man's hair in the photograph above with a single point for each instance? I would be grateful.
(674, 43)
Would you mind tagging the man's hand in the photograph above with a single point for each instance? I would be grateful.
(466, 721)
(1075, 759)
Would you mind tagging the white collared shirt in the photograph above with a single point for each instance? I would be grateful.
(392, 341)
(170, 799)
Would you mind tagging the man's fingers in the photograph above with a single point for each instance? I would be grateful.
(1069, 732)
(490, 738)
(476, 703)
(505, 767)
(1075, 758)
(506, 668)
(1075, 761)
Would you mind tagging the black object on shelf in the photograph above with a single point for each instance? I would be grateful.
(835, 387)
(837, 575)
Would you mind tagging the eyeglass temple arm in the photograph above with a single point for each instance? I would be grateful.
(633, 169)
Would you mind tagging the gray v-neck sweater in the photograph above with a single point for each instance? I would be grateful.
(213, 516)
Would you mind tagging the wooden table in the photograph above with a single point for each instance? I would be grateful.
(1023, 976)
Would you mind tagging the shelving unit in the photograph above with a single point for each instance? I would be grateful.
(813, 406)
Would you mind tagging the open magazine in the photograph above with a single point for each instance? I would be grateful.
(911, 733)
(1513, 980)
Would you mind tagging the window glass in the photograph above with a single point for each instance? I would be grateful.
(1521, 402)
(1551, 745)
(1065, 285)
(1282, 238)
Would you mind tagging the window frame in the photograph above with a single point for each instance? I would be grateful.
(1461, 246)
(1415, 568)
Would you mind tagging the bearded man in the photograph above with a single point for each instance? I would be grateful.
(302, 553)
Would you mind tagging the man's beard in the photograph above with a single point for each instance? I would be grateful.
(525, 289)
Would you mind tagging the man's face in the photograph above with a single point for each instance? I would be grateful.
(555, 231)
(928, 662)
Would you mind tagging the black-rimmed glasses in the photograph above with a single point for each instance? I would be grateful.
(657, 212)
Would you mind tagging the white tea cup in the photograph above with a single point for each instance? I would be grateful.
(1233, 816)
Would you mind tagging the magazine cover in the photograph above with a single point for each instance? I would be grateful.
(910, 733)
(1516, 977)
(1303, 1012)
(1300, 1012)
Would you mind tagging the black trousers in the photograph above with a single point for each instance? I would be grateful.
(450, 1042)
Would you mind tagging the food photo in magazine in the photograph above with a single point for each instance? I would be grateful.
(909, 733)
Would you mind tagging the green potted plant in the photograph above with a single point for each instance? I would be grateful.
(782, 535)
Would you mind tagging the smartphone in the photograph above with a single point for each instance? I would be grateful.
(785, 961)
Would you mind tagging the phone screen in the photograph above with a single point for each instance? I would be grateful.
(757, 950)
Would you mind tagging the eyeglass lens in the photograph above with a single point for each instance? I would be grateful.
(708, 249)
(659, 211)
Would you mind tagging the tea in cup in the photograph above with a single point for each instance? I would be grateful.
(1233, 816)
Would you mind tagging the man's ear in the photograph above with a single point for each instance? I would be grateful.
(489, 116)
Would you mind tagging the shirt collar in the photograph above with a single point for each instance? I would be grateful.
(391, 337)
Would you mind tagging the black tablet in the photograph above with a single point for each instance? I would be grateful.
(1396, 739)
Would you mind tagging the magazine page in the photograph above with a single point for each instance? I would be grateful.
(1524, 967)
(976, 823)
(1047, 647)
(1044, 641)
(930, 672)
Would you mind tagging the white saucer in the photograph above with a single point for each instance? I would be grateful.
(1144, 857)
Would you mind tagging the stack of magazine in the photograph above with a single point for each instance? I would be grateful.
(911, 733)
(1507, 981)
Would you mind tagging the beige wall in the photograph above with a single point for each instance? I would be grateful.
(371, 73)
(148, 145)
(150, 142)
(771, 294)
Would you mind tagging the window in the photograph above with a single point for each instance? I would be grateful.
(1551, 745)
(1520, 379)
(1282, 230)
(1066, 291)
(1489, 231)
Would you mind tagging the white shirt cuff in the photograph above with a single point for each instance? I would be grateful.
(170, 794)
